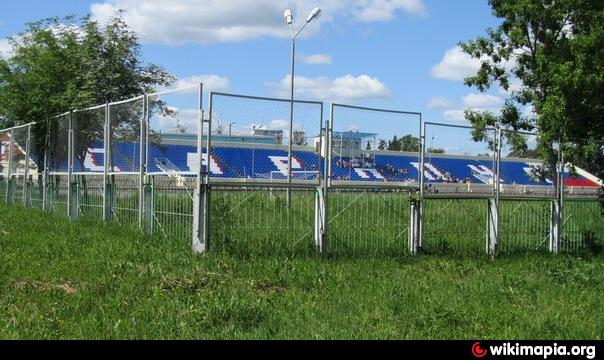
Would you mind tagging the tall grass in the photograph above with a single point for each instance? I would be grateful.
(88, 280)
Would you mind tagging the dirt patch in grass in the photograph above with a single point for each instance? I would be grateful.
(67, 288)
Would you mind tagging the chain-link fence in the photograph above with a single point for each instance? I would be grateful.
(172, 157)
(583, 226)
(251, 136)
(259, 202)
(374, 157)
(454, 226)
(4, 163)
(282, 180)
(459, 161)
(126, 125)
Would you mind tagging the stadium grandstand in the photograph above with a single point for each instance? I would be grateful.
(261, 156)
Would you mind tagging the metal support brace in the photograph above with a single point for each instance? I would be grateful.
(201, 224)
(149, 199)
(555, 230)
(320, 221)
(493, 227)
(74, 195)
(414, 226)
(29, 189)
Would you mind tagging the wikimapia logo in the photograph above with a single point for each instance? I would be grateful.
(544, 351)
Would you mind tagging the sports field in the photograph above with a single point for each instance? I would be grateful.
(88, 280)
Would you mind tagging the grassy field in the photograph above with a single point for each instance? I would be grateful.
(86, 280)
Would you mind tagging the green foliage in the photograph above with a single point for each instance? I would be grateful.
(554, 48)
(61, 64)
(406, 143)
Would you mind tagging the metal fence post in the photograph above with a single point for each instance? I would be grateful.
(25, 198)
(493, 203)
(9, 186)
(106, 161)
(322, 190)
(45, 178)
(72, 193)
(142, 168)
(201, 194)
(555, 233)
(416, 224)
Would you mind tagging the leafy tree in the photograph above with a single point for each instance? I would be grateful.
(382, 144)
(435, 151)
(60, 64)
(394, 144)
(406, 143)
(548, 56)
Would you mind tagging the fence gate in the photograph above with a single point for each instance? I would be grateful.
(57, 181)
(126, 122)
(171, 161)
(259, 203)
(370, 190)
(87, 178)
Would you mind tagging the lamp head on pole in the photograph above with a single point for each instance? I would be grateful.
(287, 15)
(313, 14)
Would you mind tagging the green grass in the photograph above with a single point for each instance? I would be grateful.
(87, 280)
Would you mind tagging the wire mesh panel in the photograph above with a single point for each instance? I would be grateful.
(368, 222)
(251, 135)
(19, 162)
(455, 226)
(58, 140)
(583, 225)
(522, 174)
(458, 160)
(57, 183)
(88, 159)
(35, 178)
(4, 163)
(256, 220)
(125, 120)
(172, 159)
(524, 225)
(374, 146)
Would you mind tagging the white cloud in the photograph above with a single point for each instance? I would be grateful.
(210, 83)
(192, 21)
(482, 100)
(316, 59)
(459, 114)
(455, 65)
(186, 119)
(384, 10)
(347, 87)
(439, 102)
(454, 115)
(6, 50)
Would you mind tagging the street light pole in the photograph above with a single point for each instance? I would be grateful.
(287, 15)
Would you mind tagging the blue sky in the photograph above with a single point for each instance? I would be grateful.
(398, 54)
